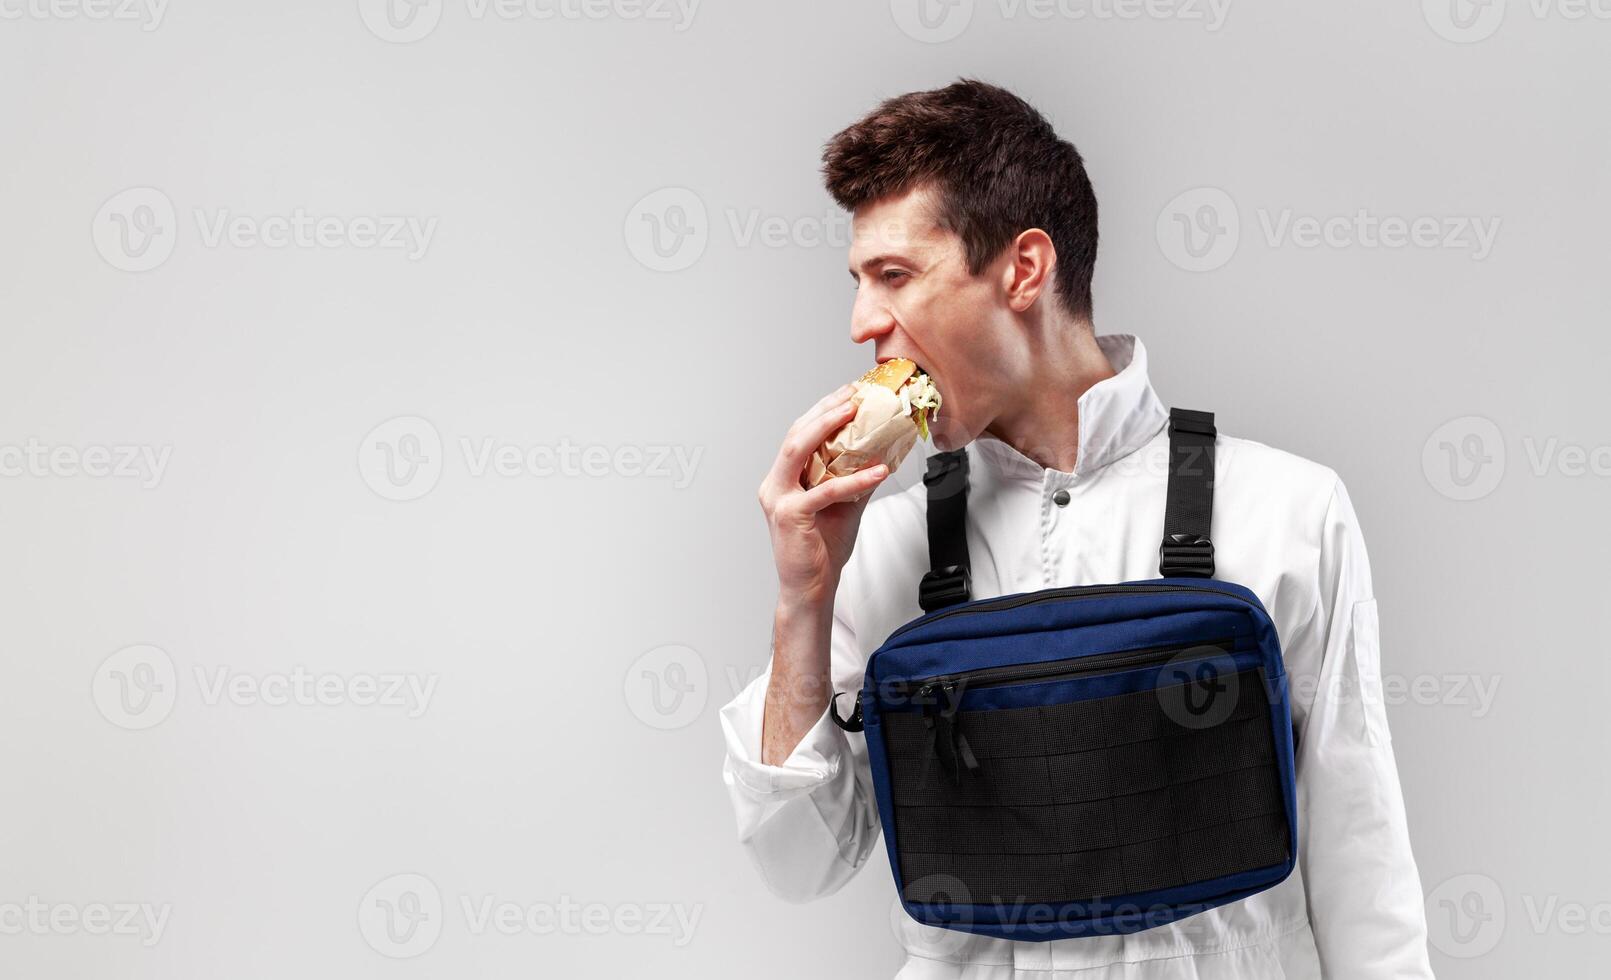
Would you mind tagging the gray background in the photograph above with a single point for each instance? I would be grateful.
(543, 767)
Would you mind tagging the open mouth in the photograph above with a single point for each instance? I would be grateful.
(919, 395)
(892, 357)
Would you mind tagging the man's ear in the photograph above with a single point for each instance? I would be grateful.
(1031, 259)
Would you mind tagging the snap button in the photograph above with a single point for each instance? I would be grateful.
(1060, 498)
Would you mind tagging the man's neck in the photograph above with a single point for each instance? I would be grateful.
(1045, 424)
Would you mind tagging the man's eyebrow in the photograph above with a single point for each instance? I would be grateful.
(879, 260)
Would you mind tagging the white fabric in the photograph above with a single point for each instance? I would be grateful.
(1282, 526)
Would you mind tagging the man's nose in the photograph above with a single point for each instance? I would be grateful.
(869, 319)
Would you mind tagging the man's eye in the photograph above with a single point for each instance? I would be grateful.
(891, 275)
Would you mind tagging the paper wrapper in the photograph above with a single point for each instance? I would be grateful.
(880, 433)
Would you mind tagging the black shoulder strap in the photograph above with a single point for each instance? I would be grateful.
(948, 582)
(1187, 548)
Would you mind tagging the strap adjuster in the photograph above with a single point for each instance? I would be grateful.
(1190, 555)
(944, 587)
(1193, 422)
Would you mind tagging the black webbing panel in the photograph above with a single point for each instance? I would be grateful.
(947, 582)
(1187, 548)
(1092, 799)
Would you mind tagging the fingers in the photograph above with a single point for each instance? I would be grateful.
(808, 432)
(843, 488)
(830, 400)
(836, 402)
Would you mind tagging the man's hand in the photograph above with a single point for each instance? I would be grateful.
(813, 532)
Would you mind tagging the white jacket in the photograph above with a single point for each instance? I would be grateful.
(1283, 527)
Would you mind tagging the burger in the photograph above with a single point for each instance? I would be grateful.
(894, 403)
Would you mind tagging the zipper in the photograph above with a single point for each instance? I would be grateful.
(1056, 595)
(941, 697)
(928, 690)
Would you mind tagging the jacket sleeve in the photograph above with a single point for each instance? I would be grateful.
(1364, 891)
(810, 823)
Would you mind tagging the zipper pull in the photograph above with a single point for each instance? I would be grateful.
(940, 701)
(960, 749)
(937, 718)
(925, 698)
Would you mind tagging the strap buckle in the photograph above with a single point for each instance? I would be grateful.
(943, 587)
(1190, 555)
(852, 724)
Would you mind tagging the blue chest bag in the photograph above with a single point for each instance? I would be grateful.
(1093, 760)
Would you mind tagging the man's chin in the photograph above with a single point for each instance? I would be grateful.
(948, 436)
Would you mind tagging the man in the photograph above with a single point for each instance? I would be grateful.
(975, 239)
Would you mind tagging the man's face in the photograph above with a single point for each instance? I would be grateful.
(916, 299)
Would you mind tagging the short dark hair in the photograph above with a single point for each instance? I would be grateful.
(997, 168)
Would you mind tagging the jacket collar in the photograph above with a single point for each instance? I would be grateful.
(1118, 415)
